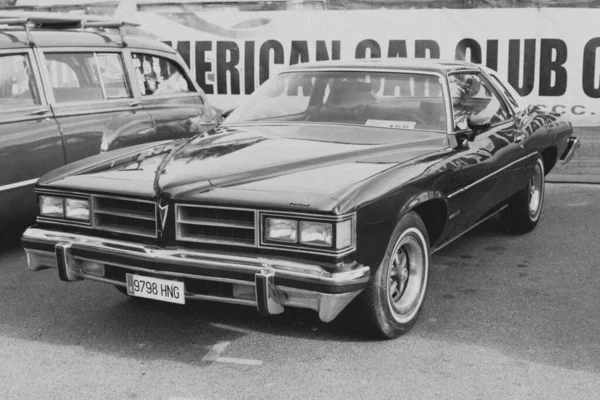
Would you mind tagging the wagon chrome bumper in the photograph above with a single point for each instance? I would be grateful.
(269, 284)
(572, 146)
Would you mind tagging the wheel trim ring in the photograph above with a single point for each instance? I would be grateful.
(412, 241)
(535, 194)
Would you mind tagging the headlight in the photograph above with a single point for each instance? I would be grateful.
(77, 209)
(281, 230)
(51, 206)
(316, 233)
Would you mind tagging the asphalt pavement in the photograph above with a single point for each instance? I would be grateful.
(507, 317)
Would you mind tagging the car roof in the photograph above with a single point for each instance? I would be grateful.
(16, 37)
(417, 64)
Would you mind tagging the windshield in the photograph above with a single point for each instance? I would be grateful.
(379, 99)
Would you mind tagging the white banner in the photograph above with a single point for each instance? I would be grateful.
(549, 55)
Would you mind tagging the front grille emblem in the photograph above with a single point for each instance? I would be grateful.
(163, 212)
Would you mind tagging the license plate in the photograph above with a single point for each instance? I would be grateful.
(155, 289)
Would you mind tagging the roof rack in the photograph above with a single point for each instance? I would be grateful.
(42, 20)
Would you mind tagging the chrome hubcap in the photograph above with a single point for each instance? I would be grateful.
(399, 275)
(535, 192)
(407, 276)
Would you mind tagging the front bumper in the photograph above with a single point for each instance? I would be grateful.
(266, 283)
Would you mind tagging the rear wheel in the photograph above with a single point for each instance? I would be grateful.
(394, 297)
(525, 207)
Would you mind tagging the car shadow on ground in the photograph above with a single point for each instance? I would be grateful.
(473, 299)
(98, 317)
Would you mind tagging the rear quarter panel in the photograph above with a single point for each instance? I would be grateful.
(544, 130)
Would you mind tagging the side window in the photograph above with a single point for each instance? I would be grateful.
(159, 75)
(17, 86)
(513, 97)
(79, 77)
(471, 95)
(112, 76)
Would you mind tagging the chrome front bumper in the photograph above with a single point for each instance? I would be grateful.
(265, 283)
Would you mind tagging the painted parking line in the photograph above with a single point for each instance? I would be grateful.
(231, 328)
(214, 356)
(194, 398)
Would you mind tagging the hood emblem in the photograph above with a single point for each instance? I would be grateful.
(299, 204)
(162, 213)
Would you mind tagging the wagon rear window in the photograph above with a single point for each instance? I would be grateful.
(377, 99)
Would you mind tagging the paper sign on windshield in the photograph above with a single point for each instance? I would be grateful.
(391, 124)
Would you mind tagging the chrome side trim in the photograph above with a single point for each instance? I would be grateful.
(474, 226)
(18, 184)
(490, 175)
(62, 114)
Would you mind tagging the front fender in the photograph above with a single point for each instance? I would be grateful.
(376, 222)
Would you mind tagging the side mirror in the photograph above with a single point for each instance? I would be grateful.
(226, 113)
(464, 136)
(478, 123)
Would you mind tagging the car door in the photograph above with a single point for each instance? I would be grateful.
(93, 101)
(492, 162)
(30, 141)
(177, 106)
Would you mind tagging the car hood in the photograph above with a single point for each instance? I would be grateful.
(307, 160)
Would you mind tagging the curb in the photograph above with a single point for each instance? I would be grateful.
(563, 178)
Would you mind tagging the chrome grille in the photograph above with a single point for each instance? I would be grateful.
(118, 214)
(220, 225)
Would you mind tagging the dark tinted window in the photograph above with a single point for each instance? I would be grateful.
(17, 86)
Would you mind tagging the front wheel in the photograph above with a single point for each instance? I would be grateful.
(394, 297)
(525, 207)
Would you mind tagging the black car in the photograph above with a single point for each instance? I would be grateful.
(334, 181)
(70, 90)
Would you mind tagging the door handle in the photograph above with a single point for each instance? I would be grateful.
(135, 103)
(41, 111)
